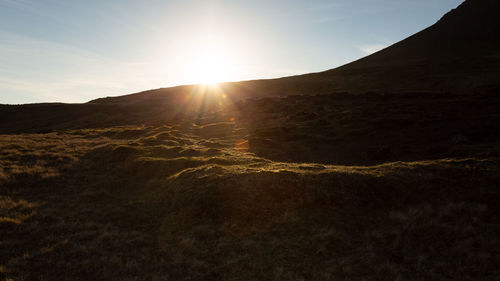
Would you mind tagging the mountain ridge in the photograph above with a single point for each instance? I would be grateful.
(457, 53)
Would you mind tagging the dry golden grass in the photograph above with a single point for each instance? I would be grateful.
(15, 211)
(163, 203)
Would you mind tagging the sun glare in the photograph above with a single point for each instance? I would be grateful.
(209, 64)
(207, 58)
(209, 69)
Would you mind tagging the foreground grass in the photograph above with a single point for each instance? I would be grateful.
(172, 203)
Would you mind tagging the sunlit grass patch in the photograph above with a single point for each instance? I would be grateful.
(16, 211)
(126, 203)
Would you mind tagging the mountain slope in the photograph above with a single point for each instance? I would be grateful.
(460, 53)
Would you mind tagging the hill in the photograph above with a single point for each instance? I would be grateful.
(460, 53)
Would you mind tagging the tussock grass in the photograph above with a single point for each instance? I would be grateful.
(16, 212)
(157, 203)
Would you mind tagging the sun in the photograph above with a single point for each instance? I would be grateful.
(209, 65)
(209, 69)
(207, 58)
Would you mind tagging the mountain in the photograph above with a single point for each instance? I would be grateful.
(460, 53)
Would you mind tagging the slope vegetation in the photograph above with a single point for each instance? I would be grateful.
(164, 203)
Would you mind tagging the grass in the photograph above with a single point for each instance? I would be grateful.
(162, 203)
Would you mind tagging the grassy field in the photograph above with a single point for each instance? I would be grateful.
(173, 203)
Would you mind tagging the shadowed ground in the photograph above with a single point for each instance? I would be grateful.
(163, 203)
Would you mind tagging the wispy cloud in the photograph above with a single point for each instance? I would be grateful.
(49, 71)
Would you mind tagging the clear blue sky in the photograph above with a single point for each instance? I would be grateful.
(75, 51)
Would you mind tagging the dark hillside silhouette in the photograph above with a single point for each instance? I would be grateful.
(460, 53)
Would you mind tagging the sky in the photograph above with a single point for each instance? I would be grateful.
(75, 51)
